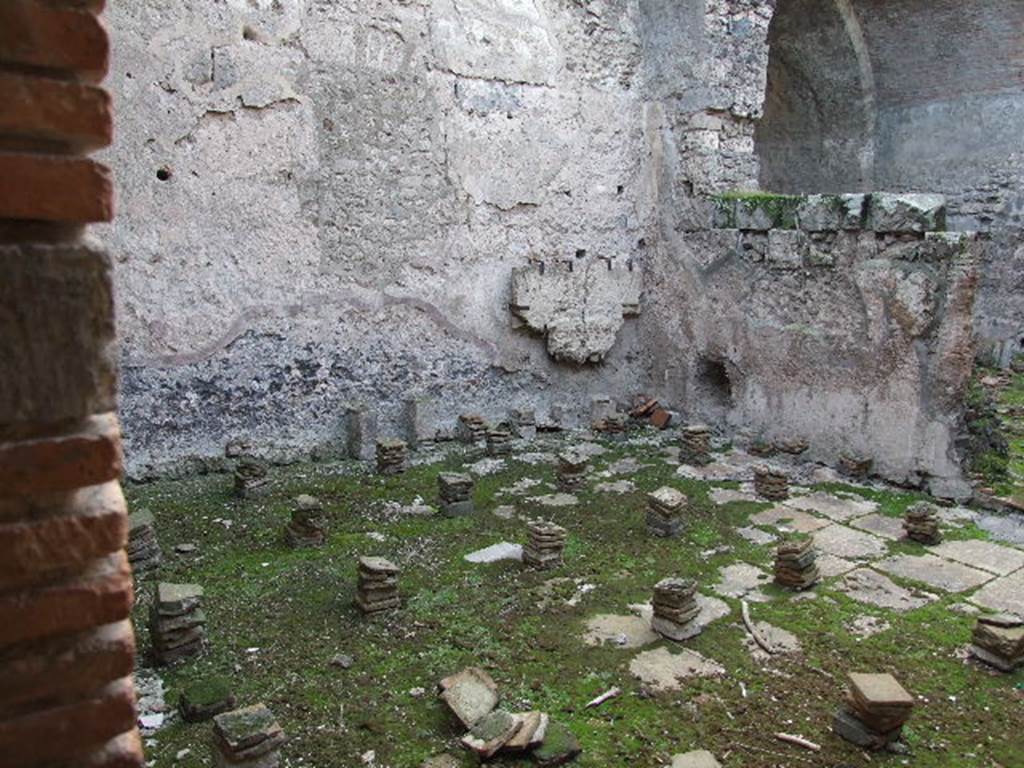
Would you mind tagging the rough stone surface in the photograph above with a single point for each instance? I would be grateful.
(700, 758)
(871, 587)
(578, 307)
(663, 670)
(833, 507)
(935, 572)
(1004, 594)
(985, 555)
(880, 525)
(787, 519)
(845, 542)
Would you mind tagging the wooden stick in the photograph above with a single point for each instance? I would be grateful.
(798, 741)
(765, 646)
(611, 693)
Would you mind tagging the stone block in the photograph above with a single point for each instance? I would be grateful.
(78, 116)
(56, 304)
(831, 213)
(89, 456)
(55, 188)
(361, 432)
(756, 211)
(787, 249)
(47, 36)
(419, 420)
(906, 213)
(578, 306)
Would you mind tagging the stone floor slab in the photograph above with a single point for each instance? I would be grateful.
(872, 588)
(881, 525)
(555, 500)
(995, 558)
(830, 565)
(662, 670)
(496, 552)
(841, 541)
(700, 758)
(839, 509)
(620, 631)
(756, 535)
(787, 519)
(619, 486)
(722, 496)
(935, 572)
(742, 580)
(1005, 594)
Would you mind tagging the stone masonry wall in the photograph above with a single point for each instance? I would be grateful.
(329, 202)
(323, 202)
(842, 321)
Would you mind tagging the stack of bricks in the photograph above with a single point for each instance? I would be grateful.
(524, 423)
(66, 643)
(796, 564)
(545, 545)
(377, 589)
(855, 467)
(921, 524)
(999, 641)
(472, 429)
(665, 508)
(676, 609)
(613, 425)
(696, 445)
(392, 456)
(307, 528)
(499, 440)
(771, 484)
(571, 471)
(875, 711)
(251, 478)
(177, 624)
(247, 738)
(456, 493)
(143, 548)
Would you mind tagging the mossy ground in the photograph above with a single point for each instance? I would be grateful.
(277, 617)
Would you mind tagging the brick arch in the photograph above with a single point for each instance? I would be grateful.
(818, 130)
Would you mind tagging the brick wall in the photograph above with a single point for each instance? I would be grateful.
(66, 642)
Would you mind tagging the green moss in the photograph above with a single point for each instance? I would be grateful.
(295, 608)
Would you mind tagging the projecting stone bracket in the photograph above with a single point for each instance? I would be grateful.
(578, 306)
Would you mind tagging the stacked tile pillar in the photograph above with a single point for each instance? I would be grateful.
(66, 643)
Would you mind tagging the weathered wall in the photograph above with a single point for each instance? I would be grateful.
(921, 95)
(324, 201)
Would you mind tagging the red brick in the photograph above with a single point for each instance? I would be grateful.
(55, 188)
(75, 115)
(661, 418)
(123, 752)
(47, 673)
(88, 457)
(55, 37)
(56, 303)
(71, 732)
(102, 595)
(91, 524)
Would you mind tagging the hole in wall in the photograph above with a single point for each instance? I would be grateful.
(714, 386)
(620, 189)
(164, 173)
(581, 253)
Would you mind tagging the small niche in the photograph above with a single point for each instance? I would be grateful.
(714, 384)
(581, 253)
(164, 173)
